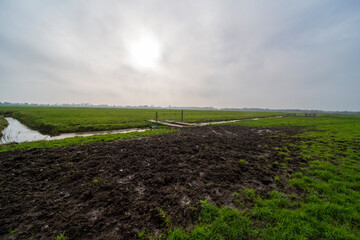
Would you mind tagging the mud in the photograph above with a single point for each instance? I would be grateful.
(113, 190)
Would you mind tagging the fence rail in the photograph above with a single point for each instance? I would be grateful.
(290, 115)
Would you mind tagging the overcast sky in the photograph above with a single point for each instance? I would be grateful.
(267, 54)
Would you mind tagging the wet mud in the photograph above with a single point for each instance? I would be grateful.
(114, 190)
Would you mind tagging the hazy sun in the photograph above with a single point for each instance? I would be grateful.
(145, 52)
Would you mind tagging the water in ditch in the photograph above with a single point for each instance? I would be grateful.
(18, 132)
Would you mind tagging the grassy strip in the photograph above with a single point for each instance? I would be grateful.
(215, 223)
(3, 124)
(329, 207)
(83, 140)
(55, 120)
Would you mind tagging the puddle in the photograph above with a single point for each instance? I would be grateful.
(18, 132)
(219, 122)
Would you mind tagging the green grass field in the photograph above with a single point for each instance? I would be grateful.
(55, 120)
(329, 208)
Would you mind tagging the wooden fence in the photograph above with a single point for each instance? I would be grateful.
(290, 115)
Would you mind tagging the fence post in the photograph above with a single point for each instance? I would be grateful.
(156, 116)
(182, 115)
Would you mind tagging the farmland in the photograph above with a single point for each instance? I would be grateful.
(274, 178)
(84, 140)
(55, 120)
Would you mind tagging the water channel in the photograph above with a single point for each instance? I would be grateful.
(18, 132)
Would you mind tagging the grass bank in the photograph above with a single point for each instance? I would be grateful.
(83, 140)
(328, 208)
(3, 124)
(56, 120)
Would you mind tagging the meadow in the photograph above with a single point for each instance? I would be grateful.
(56, 120)
(329, 206)
(315, 193)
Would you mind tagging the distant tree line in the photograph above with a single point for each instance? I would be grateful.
(89, 105)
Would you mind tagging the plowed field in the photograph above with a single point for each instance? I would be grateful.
(114, 190)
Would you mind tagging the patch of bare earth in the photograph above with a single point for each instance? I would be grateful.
(113, 190)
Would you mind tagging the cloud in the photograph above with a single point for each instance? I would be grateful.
(275, 54)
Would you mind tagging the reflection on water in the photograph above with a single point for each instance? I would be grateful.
(229, 121)
(18, 132)
(87, 134)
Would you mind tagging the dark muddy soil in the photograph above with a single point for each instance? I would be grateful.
(113, 190)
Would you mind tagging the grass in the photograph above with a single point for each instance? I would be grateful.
(56, 120)
(13, 231)
(61, 236)
(217, 223)
(83, 140)
(329, 207)
(95, 180)
(3, 124)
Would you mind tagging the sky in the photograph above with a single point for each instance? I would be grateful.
(220, 53)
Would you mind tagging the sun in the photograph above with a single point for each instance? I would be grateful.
(145, 52)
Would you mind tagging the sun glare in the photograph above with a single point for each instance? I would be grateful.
(145, 52)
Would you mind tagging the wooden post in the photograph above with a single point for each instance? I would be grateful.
(182, 115)
(156, 116)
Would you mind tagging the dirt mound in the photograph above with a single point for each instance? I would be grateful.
(113, 190)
